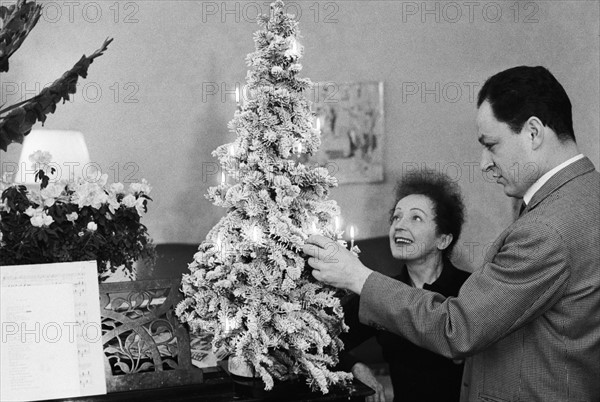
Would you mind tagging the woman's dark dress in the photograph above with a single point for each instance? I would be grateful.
(417, 374)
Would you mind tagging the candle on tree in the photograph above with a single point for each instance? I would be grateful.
(313, 228)
(230, 324)
(237, 97)
(219, 243)
(221, 246)
(297, 151)
(255, 234)
(351, 237)
(294, 49)
(232, 152)
(337, 224)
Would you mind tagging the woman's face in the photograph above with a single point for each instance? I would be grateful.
(413, 231)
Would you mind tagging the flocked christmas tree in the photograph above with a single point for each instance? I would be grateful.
(249, 285)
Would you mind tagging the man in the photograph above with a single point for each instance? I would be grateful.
(528, 320)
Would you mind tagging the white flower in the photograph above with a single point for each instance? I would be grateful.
(47, 219)
(51, 193)
(99, 198)
(40, 219)
(276, 71)
(72, 217)
(37, 221)
(31, 211)
(40, 157)
(140, 187)
(103, 180)
(91, 226)
(129, 201)
(113, 204)
(84, 193)
(116, 188)
(53, 190)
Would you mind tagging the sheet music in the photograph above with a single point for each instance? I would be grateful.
(51, 344)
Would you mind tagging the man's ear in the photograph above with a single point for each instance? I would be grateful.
(535, 131)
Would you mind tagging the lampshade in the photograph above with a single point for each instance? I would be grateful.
(70, 155)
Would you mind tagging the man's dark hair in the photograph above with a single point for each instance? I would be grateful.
(446, 197)
(520, 92)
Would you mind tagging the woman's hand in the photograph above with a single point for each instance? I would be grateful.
(364, 374)
(334, 265)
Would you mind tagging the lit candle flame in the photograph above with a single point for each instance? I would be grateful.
(255, 234)
(313, 228)
(230, 324)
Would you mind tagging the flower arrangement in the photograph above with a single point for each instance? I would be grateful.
(63, 221)
(74, 221)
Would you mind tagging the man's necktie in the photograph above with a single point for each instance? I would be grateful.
(523, 206)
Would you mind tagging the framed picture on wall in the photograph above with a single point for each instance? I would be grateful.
(350, 116)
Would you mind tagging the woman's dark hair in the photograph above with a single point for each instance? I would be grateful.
(520, 92)
(446, 197)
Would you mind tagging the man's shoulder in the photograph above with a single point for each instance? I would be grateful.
(577, 181)
(570, 196)
(575, 200)
(568, 217)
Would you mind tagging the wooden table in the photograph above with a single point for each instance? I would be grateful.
(219, 387)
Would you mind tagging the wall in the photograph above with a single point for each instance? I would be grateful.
(143, 113)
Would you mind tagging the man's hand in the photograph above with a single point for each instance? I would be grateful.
(364, 374)
(334, 265)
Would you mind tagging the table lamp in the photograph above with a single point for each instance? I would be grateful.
(69, 155)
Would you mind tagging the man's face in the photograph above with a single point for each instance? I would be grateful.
(506, 154)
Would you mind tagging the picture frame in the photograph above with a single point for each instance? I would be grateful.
(351, 119)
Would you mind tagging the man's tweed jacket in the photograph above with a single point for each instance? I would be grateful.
(528, 320)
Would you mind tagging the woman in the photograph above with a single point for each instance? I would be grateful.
(425, 225)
